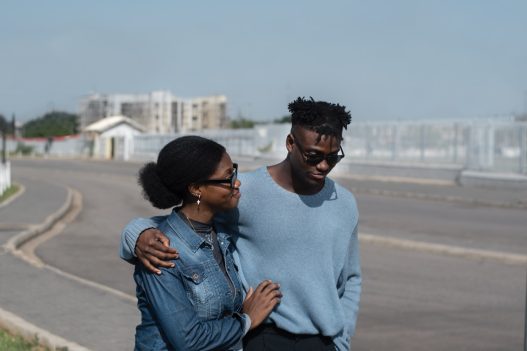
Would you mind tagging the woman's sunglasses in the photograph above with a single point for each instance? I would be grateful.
(231, 180)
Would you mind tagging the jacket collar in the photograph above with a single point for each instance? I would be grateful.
(183, 230)
(193, 240)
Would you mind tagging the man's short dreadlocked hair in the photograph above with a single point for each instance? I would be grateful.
(320, 116)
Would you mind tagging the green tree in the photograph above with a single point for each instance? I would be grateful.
(54, 123)
(241, 122)
(284, 119)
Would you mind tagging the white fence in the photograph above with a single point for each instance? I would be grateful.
(5, 176)
(472, 145)
(70, 146)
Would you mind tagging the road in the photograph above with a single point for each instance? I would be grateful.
(412, 300)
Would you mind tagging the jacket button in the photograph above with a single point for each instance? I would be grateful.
(195, 277)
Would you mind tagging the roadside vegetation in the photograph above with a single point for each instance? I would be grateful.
(12, 190)
(52, 124)
(10, 342)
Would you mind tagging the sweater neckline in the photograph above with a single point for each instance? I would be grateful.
(322, 191)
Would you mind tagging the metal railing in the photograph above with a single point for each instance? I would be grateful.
(472, 145)
(481, 145)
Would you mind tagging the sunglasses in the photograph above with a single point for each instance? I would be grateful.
(231, 180)
(315, 159)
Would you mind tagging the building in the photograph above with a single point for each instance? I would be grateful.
(158, 112)
(111, 137)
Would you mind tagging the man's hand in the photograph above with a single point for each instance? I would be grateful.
(153, 250)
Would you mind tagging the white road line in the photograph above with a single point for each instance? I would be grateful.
(456, 251)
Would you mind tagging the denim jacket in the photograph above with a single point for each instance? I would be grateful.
(190, 306)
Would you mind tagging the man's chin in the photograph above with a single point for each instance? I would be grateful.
(316, 178)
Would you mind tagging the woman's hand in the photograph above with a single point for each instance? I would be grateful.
(260, 302)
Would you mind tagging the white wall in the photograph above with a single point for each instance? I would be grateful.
(5, 176)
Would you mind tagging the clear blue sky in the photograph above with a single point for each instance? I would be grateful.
(384, 59)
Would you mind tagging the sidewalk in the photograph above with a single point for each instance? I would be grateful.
(65, 308)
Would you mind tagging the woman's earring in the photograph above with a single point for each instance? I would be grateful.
(199, 200)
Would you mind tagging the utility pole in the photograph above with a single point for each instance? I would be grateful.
(3, 126)
(13, 125)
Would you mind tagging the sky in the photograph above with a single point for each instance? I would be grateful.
(382, 59)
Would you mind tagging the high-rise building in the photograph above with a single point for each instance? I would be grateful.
(158, 111)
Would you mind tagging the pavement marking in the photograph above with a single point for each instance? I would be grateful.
(449, 250)
(19, 326)
(91, 283)
(21, 190)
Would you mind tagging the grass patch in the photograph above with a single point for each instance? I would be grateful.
(10, 342)
(12, 190)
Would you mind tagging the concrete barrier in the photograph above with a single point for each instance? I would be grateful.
(5, 176)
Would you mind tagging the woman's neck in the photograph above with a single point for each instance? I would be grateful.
(191, 211)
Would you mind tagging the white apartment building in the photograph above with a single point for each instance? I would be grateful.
(158, 112)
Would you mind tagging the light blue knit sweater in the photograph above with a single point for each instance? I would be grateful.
(307, 243)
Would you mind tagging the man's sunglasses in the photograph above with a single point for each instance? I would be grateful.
(231, 180)
(315, 159)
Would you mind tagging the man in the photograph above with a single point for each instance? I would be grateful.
(294, 226)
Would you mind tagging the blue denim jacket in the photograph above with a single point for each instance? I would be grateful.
(190, 306)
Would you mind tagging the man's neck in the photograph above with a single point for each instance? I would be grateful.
(283, 175)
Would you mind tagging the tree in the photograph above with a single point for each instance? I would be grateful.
(13, 125)
(241, 122)
(54, 123)
(285, 119)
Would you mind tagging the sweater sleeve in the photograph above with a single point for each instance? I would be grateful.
(351, 296)
(132, 231)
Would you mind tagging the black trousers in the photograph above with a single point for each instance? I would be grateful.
(271, 338)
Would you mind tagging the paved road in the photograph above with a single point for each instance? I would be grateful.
(411, 300)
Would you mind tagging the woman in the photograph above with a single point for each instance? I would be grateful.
(196, 304)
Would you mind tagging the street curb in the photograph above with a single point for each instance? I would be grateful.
(27, 253)
(449, 250)
(21, 190)
(15, 242)
(18, 326)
